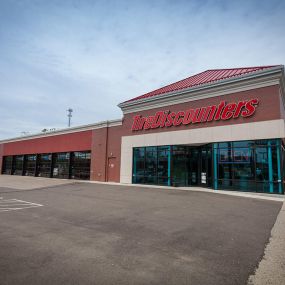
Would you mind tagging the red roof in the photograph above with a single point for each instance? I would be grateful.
(202, 78)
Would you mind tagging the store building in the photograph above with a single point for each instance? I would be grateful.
(222, 129)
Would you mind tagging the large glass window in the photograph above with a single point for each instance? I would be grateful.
(282, 170)
(243, 171)
(30, 165)
(193, 166)
(74, 165)
(151, 165)
(139, 165)
(180, 167)
(239, 165)
(7, 164)
(163, 165)
(18, 165)
(44, 165)
(261, 157)
(206, 165)
(225, 155)
(249, 165)
(61, 165)
(243, 144)
(177, 165)
(80, 165)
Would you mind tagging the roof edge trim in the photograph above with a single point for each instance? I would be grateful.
(88, 127)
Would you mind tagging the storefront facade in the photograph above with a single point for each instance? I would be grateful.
(221, 129)
(240, 165)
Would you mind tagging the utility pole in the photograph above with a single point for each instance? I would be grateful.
(69, 115)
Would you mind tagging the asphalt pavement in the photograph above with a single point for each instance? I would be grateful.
(83, 233)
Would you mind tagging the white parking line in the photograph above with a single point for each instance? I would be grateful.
(15, 204)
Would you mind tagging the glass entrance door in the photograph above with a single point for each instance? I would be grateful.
(180, 165)
(193, 166)
(206, 166)
(177, 165)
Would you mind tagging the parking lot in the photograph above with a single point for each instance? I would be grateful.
(83, 233)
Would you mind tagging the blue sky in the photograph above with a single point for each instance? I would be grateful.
(92, 55)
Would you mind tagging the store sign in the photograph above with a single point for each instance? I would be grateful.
(223, 111)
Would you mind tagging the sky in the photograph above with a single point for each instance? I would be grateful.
(92, 55)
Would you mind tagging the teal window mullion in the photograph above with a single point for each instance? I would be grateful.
(168, 169)
(279, 167)
(215, 165)
(270, 168)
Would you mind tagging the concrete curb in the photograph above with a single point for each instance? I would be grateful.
(271, 269)
(262, 196)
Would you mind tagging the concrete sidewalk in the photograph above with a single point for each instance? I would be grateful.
(262, 196)
(271, 269)
(30, 182)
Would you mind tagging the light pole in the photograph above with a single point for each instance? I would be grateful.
(69, 115)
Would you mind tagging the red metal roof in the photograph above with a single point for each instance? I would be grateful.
(204, 77)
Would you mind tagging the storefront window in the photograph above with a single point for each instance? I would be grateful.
(206, 166)
(243, 144)
(243, 171)
(151, 165)
(225, 155)
(173, 165)
(193, 162)
(18, 165)
(225, 145)
(242, 155)
(241, 165)
(139, 165)
(7, 164)
(275, 170)
(179, 162)
(163, 167)
(44, 165)
(261, 156)
(249, 166)
(61, 165)
(225, 171)
(30, 165)
(80, 165)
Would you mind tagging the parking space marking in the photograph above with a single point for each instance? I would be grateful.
(7, 205)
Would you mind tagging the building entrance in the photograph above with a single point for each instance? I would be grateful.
(191, 166)
(179, 165)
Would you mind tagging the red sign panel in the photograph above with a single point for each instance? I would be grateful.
(222, 111)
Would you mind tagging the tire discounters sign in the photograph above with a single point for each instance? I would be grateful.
(223, 111)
